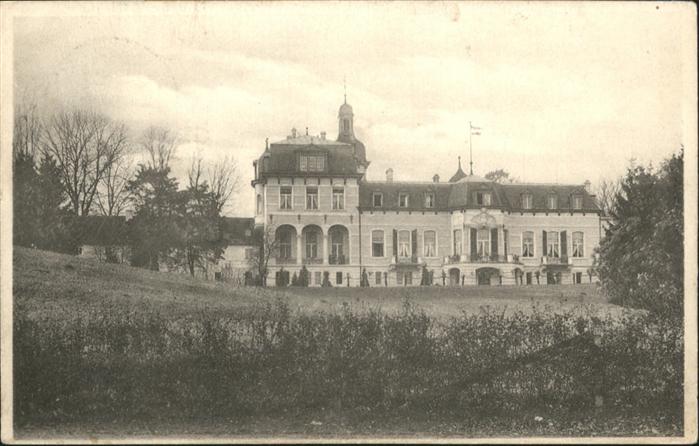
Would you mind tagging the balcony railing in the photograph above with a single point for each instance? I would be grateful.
(338, 260)
(286, 260)
(312, 261)
(495, 258)
(551, 260)
(406, 260)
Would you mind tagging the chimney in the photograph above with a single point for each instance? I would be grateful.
(389, 175)
(322, 136)
(588, 187)
(293, 132)
(435, 178)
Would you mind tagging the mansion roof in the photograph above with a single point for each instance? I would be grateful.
(463, 194)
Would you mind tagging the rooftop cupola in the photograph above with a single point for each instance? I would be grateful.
(345, 122)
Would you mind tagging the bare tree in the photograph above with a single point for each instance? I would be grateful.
(160, 144)
(26, 137)
(84, 145)
(606, 191)
(224, 180)
(113, 194)
(268, 246)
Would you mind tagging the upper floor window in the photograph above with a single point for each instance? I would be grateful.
(526, 201)
(338, 198)
(377, 243)
(527, 244)
(346, 125)
(552, 201)
(483, 242)
(483, 198)
(377, 199)
(578, 244)
(577, 201)
(403, 200)
(403, 243)
(430, 243)
(312, 163)
(259, 203)
(311, 198)
(429, 199)
(285, 198)
(457, 241)
(552, 244)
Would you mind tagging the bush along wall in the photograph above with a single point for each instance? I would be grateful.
(119, 363)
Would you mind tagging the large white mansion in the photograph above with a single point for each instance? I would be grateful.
(312, 192)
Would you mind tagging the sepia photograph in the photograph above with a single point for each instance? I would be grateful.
(361, 221)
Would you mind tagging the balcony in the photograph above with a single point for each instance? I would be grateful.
(312, 261)
(552, 260)
(285, 260)
(495, 258)
(407, 260)
(456, 258)
(338, 260)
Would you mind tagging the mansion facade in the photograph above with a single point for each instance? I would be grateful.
(312, 194)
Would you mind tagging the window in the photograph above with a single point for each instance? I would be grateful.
(483, 242)
(377, 199)
(378, 278)
(483, 198)
(249, 253)
(528, 244)
(336, 244)
(457, 241)
(317, 279)
(578, 244)
(552, 244)
(526, 201)
(285, 198)
(259, 203)
(312, 244)
(346, 125)
(408, 277)
(429, 200)
(577, 201)
(377, 243)
(312, 163)
(311, 198)
(403, 200)
(430, 243)
(403, 243)
(577, 278)
(285, 244)
(338, 198)
(552, 201)
(338, 277)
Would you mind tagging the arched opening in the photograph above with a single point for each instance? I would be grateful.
(338, 236)
(488, 276)
(285, 239)
(454, 277)
(312, 237)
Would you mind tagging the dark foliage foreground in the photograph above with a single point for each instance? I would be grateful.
(122, 364)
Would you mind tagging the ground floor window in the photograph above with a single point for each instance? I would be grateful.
(404, 278)
(338, 278)
(577, 278)
(317, 278)
(529, 278)
(378, 277)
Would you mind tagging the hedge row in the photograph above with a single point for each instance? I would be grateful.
(121, 363)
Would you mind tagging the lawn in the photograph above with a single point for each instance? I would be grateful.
(43, 280)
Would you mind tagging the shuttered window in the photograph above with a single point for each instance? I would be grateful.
(483, 242)
(430, 243)
(552, 244)
(377, 242)
(578, 244)
(404, 243)
(527, 244)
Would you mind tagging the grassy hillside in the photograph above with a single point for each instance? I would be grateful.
(43, 280)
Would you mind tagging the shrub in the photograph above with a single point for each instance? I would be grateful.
(124, 363)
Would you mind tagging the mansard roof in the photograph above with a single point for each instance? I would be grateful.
(282, 158)
(463, 194)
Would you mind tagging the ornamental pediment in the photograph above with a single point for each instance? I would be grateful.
(483, 220)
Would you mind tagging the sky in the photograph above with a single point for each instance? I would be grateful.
(563, 92)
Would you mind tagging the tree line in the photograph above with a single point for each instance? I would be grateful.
(78, 163)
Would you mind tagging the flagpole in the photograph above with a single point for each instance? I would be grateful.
(470, 146)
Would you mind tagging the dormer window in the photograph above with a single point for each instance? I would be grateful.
(429, 199)
(552, 201)
(312, 163)
(403, 200)
(526, 201)
(377, 199)
(577, 201)
(483, 198)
